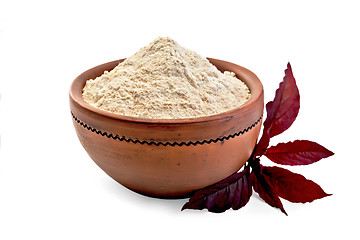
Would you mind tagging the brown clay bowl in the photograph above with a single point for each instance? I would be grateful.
(168, 158)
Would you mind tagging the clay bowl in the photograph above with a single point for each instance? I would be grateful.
(168, 158)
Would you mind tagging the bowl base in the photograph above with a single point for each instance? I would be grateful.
(183, 196)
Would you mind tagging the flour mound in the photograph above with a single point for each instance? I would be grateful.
(166, 81)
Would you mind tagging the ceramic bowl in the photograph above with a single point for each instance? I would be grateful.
(168, 158)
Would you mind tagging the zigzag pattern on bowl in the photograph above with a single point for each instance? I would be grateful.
(123, 138)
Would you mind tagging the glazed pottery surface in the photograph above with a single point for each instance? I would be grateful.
(168, 157)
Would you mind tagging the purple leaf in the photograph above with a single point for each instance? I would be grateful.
(281, 112)
(299, 152)
(292, 186)
(262, 186)
(233, 192)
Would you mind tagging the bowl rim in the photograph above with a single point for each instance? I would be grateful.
(256, 90)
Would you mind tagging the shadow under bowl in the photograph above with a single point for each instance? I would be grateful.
(168, 158)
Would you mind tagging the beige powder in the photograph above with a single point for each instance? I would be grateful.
(166, 81)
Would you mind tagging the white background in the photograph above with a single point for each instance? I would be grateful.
(51, 189)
